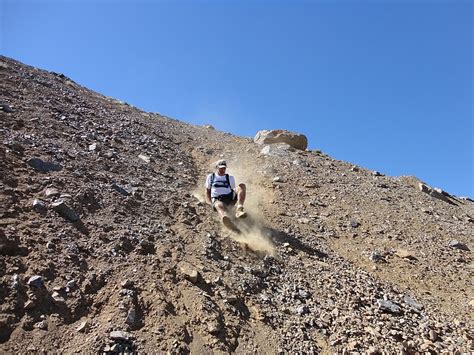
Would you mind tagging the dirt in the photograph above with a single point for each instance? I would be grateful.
(104, 202)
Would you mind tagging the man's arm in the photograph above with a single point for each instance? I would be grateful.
(208, 196)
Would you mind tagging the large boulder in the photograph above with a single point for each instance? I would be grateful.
(296, 140)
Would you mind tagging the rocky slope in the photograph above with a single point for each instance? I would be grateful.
(106, 245)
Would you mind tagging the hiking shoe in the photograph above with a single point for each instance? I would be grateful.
(240, 213)
(229, 224)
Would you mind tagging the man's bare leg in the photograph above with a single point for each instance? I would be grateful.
(220, 209)
(241, 193)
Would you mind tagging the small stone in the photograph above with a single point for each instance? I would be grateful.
(83, 327)
(131, 317)
(71, 284)
(15, 281)
(304, 220)
(6, 108)
(51, 192)
(36, 281)
(43, 166)
(302, 310)
(29, 304)
(376, 173)
(120, 335)
(412, 303)
(120, 189)
(376, 257)
(355, 224)
(389, 306)
(93, 147)
(189, 272)
(43, 325)
(127, 283)
(57, 297)
(456, 244)
(65, 211)
(277, 179)
(213, 328)
(39, 206)
(433, 335)
(145, 158)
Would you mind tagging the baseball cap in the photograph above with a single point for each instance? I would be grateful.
(221, 164)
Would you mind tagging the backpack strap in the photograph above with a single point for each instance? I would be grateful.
(228, 180)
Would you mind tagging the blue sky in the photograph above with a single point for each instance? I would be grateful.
(387, 85)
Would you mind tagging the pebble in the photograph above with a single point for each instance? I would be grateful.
(6, 108)
(43, 325)
(131, 317)
(65, 211)
(389, 306)
(189, 272)
(376, 257)
(43, 166)
(456, 244)
(83, 327)
(57, 297)
(120, 335)
(144, 158)
(355, 224)
(39, 206)
(412, 303)
(93, 147)
(51, 192)
(36, 281)
(120, 189)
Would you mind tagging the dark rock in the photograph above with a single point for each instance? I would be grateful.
(39, 206)
(456, 244)
(6, 108)
(376, 257)
(355, 224)
(65, 211)
(302, 310)
(389, 306)
(36, 281)
(43, 166)
(146, 247)
(127, 284)
(131, 317)
(120, 189)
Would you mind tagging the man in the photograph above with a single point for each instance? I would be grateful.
(222, 194)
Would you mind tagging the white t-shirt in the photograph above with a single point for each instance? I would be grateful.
(218, 191)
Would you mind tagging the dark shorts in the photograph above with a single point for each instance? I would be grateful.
(227, 200)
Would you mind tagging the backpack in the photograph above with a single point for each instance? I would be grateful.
(220, 183)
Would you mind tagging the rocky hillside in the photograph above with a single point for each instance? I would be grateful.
(106, 244)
